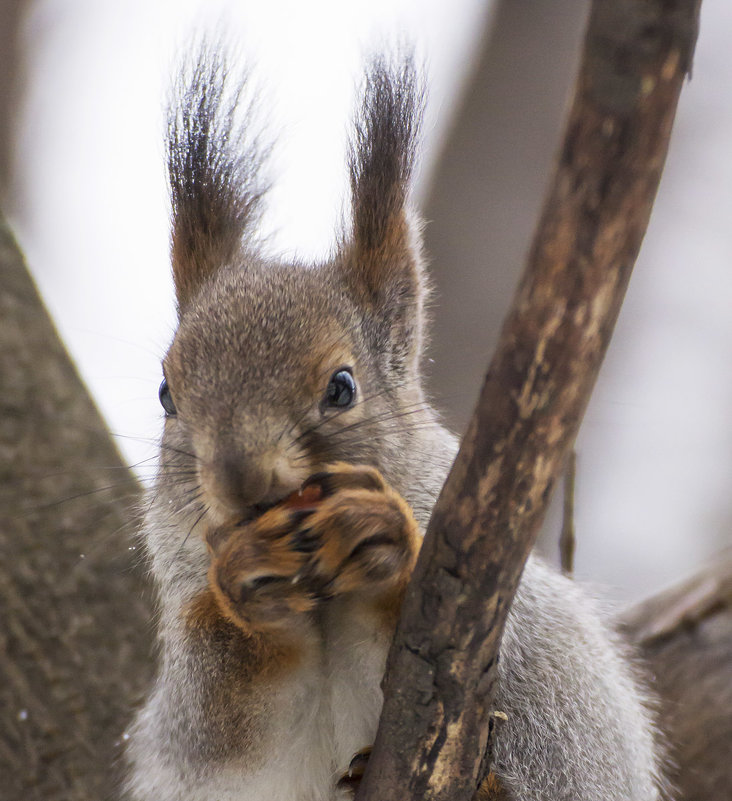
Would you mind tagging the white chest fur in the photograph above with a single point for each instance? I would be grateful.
(327, 713)
(311, 725)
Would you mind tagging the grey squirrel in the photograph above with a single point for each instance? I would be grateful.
(299, 464)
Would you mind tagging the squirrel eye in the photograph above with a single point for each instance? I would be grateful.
(341, 390)
(166, 399)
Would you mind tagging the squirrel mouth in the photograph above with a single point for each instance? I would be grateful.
(257, 510)
(260, 508)
(304, 499)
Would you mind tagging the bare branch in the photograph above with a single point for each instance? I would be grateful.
(441, 670)
(75, 641)
(566, 538)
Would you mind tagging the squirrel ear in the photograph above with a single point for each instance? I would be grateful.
(383, 259)
(213, 171)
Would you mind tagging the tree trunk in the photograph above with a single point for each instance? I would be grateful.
(75, 642)
(12, 14)
(485, 193)
(685, 635)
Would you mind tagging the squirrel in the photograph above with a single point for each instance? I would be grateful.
(299, 463)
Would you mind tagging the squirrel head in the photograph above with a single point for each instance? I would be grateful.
(278, 369)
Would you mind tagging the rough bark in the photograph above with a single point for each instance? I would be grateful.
(441, 670)
(685, 635)
(75, 639)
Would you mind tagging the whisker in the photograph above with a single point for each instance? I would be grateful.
(76, 496)
(385, 417)
(375, 436)
(164, 446)
(177, 473)
(335, 415)
(190, 531)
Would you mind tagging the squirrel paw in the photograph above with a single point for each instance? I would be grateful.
(361, 537)
(345, 530)
(254, 571)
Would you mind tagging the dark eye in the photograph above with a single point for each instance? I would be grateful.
(166, 399)
(341, 391)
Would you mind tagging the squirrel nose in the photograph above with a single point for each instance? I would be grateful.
(240, 479)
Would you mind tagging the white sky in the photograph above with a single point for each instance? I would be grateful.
(655, 452)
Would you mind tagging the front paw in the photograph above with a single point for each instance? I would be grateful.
(362, 536)
(256, 569)
(345, 531)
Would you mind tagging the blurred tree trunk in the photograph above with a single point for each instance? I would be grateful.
(485, 194)
(11, 18)
(75, 642)
(685, 636)
(75, 635)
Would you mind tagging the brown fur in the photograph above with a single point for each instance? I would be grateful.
(491, 790)
(259, 657)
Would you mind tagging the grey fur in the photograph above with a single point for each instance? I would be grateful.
(243, 372)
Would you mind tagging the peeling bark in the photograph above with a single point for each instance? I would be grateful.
(441, 670)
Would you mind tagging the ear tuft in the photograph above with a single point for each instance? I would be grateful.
(383, 264)
(213, 168)
(383, 149)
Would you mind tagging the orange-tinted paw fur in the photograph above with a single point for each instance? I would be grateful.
(491, 789)
(353, 533)
(361, 537)
(255, 569)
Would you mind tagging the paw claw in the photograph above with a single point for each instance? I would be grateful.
(305, 540)
(344, 476)
(322, 479)
(351, 780)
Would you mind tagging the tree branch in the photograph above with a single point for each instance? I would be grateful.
(441, 669)
(567, 538)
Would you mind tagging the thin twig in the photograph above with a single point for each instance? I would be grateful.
(567, 537)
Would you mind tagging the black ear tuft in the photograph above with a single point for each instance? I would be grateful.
(213, 169)
(382, 151)
(383, 264)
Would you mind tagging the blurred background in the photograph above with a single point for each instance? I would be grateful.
(81, 160)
